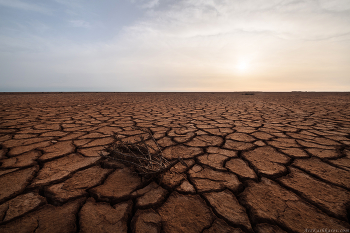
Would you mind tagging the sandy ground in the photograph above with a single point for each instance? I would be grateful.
(268, 162)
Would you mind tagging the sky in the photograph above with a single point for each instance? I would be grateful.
(174, 45)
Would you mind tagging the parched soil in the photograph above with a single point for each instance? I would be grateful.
(256, 162)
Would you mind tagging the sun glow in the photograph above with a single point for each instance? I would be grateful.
(243, 67)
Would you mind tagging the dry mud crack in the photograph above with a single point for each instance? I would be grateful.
(268, 162)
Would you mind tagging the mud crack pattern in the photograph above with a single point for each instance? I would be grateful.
(268, 162)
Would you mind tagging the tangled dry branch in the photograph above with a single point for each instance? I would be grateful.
(146, 159)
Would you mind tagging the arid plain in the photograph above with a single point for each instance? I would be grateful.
(256, 162)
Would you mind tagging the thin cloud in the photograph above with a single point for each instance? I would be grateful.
(288, 19)
(147, 4)
(17, 4)
(335, 5)
(150, 4)
(80, 23)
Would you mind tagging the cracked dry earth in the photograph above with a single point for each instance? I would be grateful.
(269, 162)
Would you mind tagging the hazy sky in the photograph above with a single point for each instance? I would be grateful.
(174, 45)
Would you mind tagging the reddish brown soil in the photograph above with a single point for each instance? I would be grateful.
(268, 162)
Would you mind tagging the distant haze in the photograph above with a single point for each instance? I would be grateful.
(175, 45)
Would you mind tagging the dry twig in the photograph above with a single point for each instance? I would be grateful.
(146, 160)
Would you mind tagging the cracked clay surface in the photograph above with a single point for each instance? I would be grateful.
(267, 162)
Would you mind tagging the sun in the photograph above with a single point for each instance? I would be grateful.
(242, 67)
